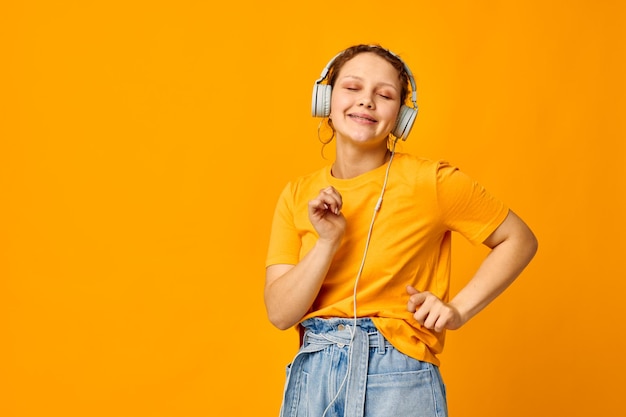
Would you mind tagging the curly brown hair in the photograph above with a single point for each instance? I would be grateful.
(390, 57)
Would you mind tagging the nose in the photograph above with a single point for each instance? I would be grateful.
(366, 101)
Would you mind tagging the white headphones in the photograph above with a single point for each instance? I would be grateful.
(406, 116)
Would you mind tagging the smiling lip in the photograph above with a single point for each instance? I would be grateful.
(363, 117)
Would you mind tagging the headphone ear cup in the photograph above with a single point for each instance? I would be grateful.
(405, 121)
(321, 100)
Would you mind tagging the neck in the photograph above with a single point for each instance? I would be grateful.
(352, 164)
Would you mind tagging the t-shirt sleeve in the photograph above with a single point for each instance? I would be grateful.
(465, 205)
(284, 244)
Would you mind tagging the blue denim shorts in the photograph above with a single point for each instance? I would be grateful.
(347, 371)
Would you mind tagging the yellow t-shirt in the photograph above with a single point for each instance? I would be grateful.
(410, 244)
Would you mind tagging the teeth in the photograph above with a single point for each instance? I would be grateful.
(363, 118)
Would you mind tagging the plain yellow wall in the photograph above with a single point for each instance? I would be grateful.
(143, 145)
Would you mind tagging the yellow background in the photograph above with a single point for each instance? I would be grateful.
(143, 145)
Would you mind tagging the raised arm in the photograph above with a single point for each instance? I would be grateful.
(291, 289)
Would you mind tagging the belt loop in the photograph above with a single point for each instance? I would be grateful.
(381, 343)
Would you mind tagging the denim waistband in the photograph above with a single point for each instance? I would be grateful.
(321, 333)
(317, 324)
(339, 331)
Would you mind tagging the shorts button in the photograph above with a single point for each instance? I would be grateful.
(341, 327)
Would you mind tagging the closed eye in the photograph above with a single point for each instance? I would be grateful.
(386, 94)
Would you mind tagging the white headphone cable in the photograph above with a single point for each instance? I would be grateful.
(358, 276)
(369, 233)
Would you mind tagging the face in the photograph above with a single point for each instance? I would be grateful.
(365, 100)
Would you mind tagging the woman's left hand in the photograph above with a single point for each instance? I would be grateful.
(431, 312)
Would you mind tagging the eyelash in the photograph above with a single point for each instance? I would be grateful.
(382, 95)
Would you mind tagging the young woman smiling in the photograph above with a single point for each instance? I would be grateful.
(359, 253)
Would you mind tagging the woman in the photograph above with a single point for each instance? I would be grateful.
(366, 278)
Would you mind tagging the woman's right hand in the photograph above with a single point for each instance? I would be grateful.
(290, 290)
(326, 217)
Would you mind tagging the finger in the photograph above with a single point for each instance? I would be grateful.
(330, 205)
(415, 301)
(331, 199)
(421, 314)
(416, 298)
(332, 191)
(431, 318)
(317, 205)
(438, 317)
(441, 324)
(427, 309)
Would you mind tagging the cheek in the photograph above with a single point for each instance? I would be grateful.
(337, 104)
(336, 100)
(392, 114)
(395, 112)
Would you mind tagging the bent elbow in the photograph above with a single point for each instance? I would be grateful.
(279, 321)
(532, 244)
(535, 245)
(278, 317)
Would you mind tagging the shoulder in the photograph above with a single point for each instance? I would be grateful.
(419, 162)
(416, 168)
(439, 170)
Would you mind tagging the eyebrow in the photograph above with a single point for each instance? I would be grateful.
(356, 77)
